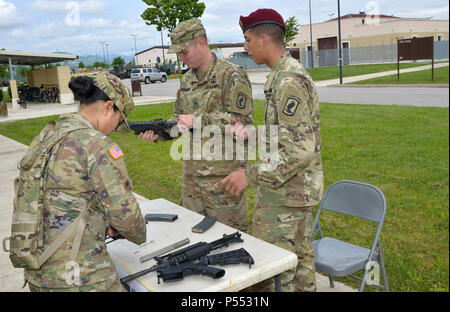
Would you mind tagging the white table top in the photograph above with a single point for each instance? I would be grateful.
(270, 260)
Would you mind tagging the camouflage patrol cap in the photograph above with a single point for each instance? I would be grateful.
(119, 94)
(184, 33)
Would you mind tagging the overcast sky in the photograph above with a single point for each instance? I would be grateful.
(49, 26)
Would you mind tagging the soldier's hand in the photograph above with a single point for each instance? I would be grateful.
(235, 182)
(239, 130)
(185, 122)
(111, 231)
(149, 136)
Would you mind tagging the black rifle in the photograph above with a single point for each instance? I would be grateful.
(230, 257)
(159, 126)
(178, 272)
(186, 255)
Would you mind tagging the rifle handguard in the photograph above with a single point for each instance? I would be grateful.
(158, 126)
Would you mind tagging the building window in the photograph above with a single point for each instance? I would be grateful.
(440, 37)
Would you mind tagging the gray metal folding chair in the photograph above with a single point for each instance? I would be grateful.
(338, 258)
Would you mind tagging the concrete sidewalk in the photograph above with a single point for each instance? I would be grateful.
(35, 110)
(11, 279)
(260, 77)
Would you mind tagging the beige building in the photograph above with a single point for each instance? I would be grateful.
(226, 50)
(362, 30)
(154, 55)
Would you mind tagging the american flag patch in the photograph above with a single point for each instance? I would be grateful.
(115, 152)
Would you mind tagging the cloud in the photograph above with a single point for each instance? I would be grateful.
(97, 23)
(40, 25)
(9, 15)
(17, 32)
(435, 12)
(60, 7)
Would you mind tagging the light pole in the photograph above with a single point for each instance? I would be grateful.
(135, 49)
(103, 47)
(107, 54)
(340, 43)
(162, 46)
(310, 35)
(134, 37)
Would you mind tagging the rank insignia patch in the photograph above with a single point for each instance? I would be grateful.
(115, 152)
(291, 106)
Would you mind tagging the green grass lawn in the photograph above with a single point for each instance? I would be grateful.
(441, 76)
(402, 150)
(332, 72)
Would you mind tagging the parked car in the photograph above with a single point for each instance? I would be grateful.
(148, 75)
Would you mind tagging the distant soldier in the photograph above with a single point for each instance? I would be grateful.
(86, 177)
(286, 194)
(218, 92)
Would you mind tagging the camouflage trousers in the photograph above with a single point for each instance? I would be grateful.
(204, 195)
(97, 287)
(289, 228)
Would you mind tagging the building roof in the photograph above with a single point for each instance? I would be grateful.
(364, 14)
(33, 58)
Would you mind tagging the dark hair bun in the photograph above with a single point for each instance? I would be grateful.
(82, 87)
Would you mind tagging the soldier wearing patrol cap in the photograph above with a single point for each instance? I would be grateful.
(86, 172)
(286, 195)
(215, 92)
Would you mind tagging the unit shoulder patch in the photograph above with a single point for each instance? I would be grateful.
(293, 101)
(291, 105)
(241, 100)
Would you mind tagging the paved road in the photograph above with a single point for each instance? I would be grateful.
(412, 96)
(168, 88)
(377, 95)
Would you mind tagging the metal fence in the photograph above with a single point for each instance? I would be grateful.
(245, 62)
(365, 55)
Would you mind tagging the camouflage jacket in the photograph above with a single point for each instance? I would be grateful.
(83, 171)
(292, 104)
(224, 91)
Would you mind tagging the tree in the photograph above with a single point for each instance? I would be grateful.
(81, 65)
(168, 13)
(119, 61)
(130, 65)
(100, 64)
(292, 29)
(4, 72)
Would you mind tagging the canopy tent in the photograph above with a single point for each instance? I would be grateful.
(60, 76)
(32, 58)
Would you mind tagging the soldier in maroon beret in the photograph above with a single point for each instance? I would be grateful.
(287, 192)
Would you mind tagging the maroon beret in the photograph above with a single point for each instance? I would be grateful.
(261, 16)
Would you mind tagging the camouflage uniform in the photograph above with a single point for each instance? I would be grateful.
(286, 196)
(223, 92)
(86, 170)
